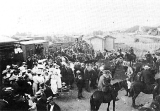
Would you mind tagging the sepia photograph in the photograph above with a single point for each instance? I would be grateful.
(86, 55)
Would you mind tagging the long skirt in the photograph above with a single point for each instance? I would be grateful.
(59, 82)
(54, 86)
(34, 88)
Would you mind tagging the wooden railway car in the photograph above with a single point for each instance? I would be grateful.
(39, 47)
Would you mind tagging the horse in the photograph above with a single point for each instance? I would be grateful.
(130, 57)
(99, 97)
(139, 86)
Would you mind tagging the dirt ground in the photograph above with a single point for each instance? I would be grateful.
(68, 101)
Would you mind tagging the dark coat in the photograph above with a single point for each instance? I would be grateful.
(80, 82)
(147, 77)
(55, 108)
(87, 74)
(70, 73)
(94, 74)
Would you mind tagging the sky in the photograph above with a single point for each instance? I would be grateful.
(76, 16)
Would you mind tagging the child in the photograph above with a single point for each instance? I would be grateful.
(80, 84)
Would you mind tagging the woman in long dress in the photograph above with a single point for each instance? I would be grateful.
(54, 83)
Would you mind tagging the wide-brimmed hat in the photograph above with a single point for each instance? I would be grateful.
(56, 66)
(38, 93)
(78, 71)
(106, 72)
(4, 72)
(8, 66)
(40, 61)
(29, 70)
(50, 98)
(146, 67)
(101, 68)
(13, 78)
(52, 102)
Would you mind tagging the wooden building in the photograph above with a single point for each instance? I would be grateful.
(101, 42)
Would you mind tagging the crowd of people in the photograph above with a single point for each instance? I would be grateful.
(31, 76)
(58, 73)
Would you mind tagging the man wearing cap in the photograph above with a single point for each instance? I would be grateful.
(104, 81)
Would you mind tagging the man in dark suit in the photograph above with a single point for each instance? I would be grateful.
(87, 77)
(52, 106)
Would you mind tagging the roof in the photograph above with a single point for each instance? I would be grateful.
(108, 36)
(95, 37)
(21, 39)
(33, 42)
(76, 36)
(101, 37)
(4, 39)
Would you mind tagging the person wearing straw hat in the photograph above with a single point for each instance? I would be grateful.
(147, 76)
(104, 81)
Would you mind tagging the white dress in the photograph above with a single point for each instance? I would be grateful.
(58, 77)
(54, 84)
